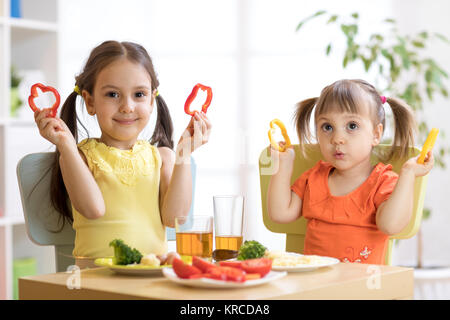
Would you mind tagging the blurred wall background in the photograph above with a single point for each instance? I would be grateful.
(259, 67)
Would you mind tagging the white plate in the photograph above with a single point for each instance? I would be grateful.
(211, 283)
(131, 269)
(324, 262)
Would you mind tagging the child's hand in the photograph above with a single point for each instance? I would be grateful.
(281, 162)
(286, 156)
(53, 129)
(196, 134)
(420, 170)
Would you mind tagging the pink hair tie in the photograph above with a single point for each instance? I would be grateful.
(383, 99)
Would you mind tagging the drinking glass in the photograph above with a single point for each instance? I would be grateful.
(228, 221)
(195, 238)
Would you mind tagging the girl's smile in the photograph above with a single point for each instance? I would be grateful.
(125, 122)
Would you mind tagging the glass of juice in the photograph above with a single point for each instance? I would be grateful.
(195, 237)
(228, 221)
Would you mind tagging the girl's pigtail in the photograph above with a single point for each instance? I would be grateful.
(58, 192)
(405, 127)
(302, 119)
(162, 136)
(69, 114)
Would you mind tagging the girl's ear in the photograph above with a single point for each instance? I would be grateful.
(154, 95)
(89, 102)
(377, 134)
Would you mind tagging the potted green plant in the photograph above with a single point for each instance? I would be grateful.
(401, 68)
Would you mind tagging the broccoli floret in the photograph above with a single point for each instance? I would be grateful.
(251, 249)
(123, 254)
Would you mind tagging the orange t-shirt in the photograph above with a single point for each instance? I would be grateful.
(344, 227)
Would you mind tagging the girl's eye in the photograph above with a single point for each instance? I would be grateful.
(327, 127)
(112, 94)
(140, 94)
(352, 126)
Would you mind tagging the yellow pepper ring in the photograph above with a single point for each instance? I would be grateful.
(428, 145)
(275, 144)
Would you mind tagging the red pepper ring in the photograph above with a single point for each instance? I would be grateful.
(34, 94)
(194, 94)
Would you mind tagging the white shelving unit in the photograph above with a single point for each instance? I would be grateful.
(27, 43)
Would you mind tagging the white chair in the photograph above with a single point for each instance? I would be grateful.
(42, 220)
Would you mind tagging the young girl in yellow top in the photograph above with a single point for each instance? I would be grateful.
(351, 206)
(119, 186)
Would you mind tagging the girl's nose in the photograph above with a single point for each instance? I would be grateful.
(338, 138)
(127, 106)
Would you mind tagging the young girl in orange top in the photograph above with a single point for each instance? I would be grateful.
(351, 206)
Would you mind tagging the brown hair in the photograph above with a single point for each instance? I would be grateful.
(100, 57)
(346, 96)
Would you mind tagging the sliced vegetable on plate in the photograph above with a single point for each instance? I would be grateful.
(226, 271)
(225, 275)
(231, 263)
(261, 266)
(184, 270)
(202, 264)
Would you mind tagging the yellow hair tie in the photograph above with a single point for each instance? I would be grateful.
(77, 90)
(157, 93)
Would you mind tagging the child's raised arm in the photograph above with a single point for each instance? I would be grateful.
(176, 178)
(283, 205)
(170, 205)
(393, 215)
(83, 191)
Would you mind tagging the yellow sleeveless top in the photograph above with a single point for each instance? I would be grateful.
(129, 182)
